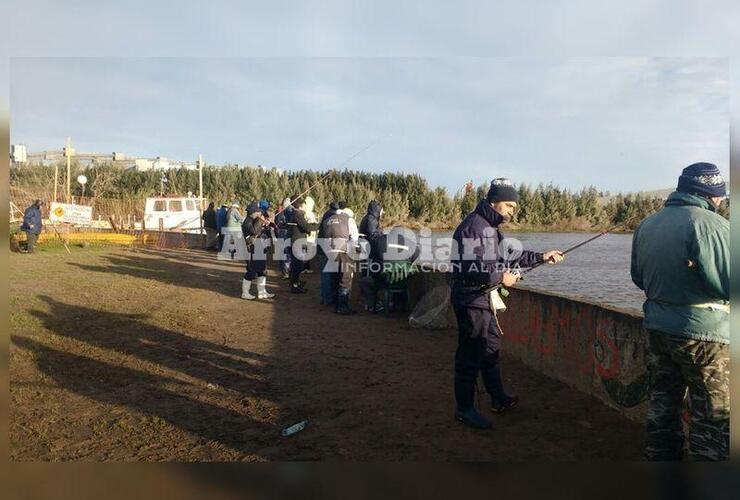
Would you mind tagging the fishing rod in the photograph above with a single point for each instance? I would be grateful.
(488, 288)
(572, 248)
(355, 155)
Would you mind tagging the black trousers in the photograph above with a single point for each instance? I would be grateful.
(478, 345)
(296, 268)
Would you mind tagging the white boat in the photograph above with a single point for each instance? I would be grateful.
(173, 214)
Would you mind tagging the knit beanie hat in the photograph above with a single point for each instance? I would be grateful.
(502, 190)
(703, 179)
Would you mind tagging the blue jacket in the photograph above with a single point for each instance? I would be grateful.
(220, 218)
(281, 222)
(32, 220)
(479, 268)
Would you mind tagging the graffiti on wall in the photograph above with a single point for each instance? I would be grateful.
(579, 343)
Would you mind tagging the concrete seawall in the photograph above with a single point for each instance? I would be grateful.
(597, 349)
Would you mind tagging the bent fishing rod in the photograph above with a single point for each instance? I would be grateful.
(321, 179)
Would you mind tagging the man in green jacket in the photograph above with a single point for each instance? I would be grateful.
(681, 259)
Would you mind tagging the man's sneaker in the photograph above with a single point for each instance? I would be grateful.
(506, 404)
(472, 418)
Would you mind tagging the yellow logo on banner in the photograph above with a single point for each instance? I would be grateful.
(59, 211)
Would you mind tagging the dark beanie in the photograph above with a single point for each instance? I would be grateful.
(703, 179)
(502, 190)
(334, 206)
(342, 205)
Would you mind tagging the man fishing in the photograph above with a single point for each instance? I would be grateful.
(681, 259)
(300, 229)
(256, 230)
(341, 231)
(328, 294)
(478, 264)
(282, 232)
(372, 230)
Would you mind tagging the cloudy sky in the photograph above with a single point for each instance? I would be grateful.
(305, 85)
(617, 123)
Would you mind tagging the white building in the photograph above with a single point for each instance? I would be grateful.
(142, 164)
(18, 153)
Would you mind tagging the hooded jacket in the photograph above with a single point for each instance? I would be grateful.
(234, 218)
(32, 220)
(308, 212)
(371, 229)
(479, 268)
(683, 300)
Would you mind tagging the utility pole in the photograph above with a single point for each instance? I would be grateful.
(68, 152)
(200, 180)
(56, 180)
(200, 190)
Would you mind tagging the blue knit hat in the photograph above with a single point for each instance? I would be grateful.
(502, 189)
(264, 204)
(703, 179)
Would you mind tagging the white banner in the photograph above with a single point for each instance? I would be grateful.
(72, 214)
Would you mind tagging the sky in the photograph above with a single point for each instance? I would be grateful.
(306, 85)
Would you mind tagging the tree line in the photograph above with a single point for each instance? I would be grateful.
(406, 198)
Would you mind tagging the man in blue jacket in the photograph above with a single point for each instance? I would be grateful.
(479, 263)
(221, 222)
(32, 224)
(681, 259)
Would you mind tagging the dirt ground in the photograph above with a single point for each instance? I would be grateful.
(151, 355)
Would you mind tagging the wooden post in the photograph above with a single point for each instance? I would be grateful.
(56, 180)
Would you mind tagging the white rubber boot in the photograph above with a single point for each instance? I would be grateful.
(262, 292)
(245, 290)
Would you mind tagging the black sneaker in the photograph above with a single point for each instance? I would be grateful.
(472, 418)
(506, 404)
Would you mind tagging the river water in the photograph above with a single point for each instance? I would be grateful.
(597, 272)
